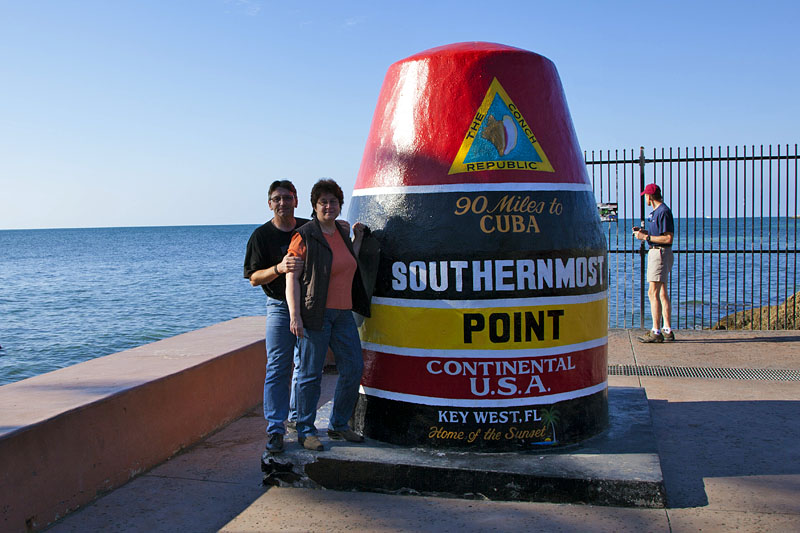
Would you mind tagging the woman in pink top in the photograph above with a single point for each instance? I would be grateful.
(321, 299)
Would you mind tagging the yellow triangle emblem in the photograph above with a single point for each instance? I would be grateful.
(499, 138)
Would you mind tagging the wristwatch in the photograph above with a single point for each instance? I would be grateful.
(647, 238)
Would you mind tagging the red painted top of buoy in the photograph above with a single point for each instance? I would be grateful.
(430, 100)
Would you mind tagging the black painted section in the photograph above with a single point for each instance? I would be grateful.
(425, 228)
(410, 424)
(418, 224)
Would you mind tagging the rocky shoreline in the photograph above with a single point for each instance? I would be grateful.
(785, 315)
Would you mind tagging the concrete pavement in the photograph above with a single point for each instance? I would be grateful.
(729, 452)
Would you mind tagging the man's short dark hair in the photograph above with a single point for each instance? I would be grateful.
(283, 184)
(325, 186)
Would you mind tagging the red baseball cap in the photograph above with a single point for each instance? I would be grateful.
(651, 188)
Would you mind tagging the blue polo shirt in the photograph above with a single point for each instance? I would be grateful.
(660, 222)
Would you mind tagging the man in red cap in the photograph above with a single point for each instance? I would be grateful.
(659, 236)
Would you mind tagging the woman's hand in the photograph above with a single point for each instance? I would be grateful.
(358, 236)
(296, 326)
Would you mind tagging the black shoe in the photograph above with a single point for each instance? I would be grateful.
(651, 337)
(275, 443)
(346, 434)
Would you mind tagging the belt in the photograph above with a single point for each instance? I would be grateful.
(660, 246)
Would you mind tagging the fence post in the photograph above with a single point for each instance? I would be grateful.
(642, 252)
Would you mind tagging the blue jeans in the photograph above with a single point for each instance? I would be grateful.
(293, 398)
(340, 332)
(281, 347)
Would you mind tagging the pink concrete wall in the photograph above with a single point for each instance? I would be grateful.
(70, 435)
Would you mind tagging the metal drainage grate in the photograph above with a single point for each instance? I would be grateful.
(767, 374)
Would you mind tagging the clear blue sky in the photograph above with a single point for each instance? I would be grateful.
(172, 112)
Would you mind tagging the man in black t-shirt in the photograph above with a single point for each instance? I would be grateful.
(266, 264)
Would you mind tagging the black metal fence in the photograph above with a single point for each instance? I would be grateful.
(736, 223)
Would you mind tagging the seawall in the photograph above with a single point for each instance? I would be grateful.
(68, 436)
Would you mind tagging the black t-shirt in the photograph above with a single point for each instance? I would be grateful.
(267, 247)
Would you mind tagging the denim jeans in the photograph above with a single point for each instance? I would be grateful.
(293, 397)
(281, 347)
(340, 333)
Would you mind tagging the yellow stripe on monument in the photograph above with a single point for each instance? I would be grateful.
(495, 328)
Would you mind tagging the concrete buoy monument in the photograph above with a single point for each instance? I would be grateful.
(489, 318)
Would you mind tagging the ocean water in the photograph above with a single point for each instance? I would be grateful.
(69, 295)
(721, 266)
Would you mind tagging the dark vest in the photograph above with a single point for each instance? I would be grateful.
(317, 275)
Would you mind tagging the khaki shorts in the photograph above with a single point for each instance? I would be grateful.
(659, 264)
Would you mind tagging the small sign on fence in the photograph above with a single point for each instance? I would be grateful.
(608, 212)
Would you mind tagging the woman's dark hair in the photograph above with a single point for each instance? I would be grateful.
(325, 186)
(283, 184)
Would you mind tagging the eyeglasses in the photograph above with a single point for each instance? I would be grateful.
(332, 202)
(285, 197)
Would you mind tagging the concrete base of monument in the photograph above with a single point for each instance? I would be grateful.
(619, 467)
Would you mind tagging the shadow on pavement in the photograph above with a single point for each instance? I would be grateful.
(699, 441)
(740, 340)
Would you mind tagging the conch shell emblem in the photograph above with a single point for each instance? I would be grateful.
(501, 133)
